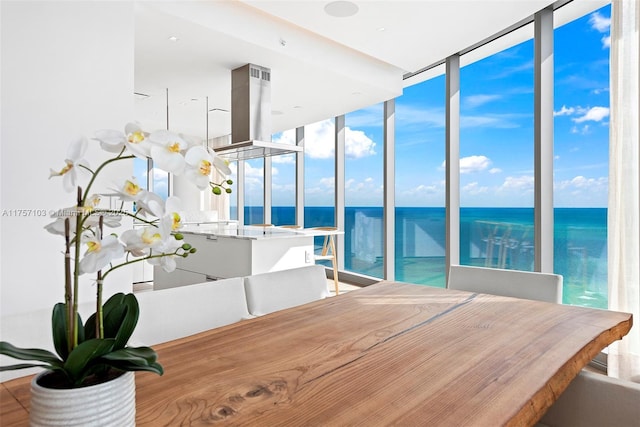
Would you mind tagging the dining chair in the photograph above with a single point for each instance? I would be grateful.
(595, 400)
(168, 314)
(509, 283)
(277, 290)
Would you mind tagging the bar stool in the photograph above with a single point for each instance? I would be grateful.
(329, 253)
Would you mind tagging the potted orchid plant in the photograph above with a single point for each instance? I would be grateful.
(93, 351)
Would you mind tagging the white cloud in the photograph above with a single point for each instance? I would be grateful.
(353, 186)
(599, 22)
(474, 164)
(319, 141)
(520, 183)
(584, 130)
(286, 159)
(564, 111)
(251, 172)
(421, 190)
(474, 188)
(327, 182)
(474, 101)
(606, 42)
(357, 144)
(407, 115)
(595, 114)
(496, 121)
(581, 182)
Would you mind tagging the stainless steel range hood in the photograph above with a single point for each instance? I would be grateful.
(251, 117)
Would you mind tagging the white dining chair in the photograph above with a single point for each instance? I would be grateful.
(509, 283)
(168, 314)
(595, 400)
(277, 290)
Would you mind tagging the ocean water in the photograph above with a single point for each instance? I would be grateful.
(492, 237)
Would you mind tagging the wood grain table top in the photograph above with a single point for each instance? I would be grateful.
(389, 354)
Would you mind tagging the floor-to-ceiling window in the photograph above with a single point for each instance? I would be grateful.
(496, 159)
(319, 177)
(420, 200)
(283, 182)
(581, 140)
(254, 191)
(150, 177)
(319, 171)
(363, 191)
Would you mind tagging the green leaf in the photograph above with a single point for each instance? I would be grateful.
(59, 329)
(114, 312)
(128, 324)
(135, 359)
(85, 355)
(22, 366)
(29, 354)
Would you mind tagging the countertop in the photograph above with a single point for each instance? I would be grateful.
(231, 230)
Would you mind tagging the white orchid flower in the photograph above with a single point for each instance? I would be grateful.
(150, 204)
(166, 151)
(74, 163)
(57, 226)
(198, 168)
(129, 191)
(110, 140)
(221, 165)
(140, 241)
(172, 210)
(100, 253)
(133, 138)
(93, 201)
(167, 244)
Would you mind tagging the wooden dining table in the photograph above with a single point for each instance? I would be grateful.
(390, 354)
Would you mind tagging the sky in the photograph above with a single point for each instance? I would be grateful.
(496, 134)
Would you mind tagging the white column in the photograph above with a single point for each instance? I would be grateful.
(543, 141)
(452, 118)
(389, 202)
(266, 212)
(240, 192)
(300, 178)
(339, 187)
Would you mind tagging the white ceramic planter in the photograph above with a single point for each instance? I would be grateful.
(108, 404)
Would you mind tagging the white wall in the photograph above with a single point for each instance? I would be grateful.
(67, 69)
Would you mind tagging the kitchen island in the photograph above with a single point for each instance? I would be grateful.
(226, 250)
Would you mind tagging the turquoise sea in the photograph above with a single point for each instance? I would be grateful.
(493, 237)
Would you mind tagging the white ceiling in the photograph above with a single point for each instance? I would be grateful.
(321, 66)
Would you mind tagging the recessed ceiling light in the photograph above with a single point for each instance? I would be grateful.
(341, 9)
(381, 29)
(297, 106)
(174, 38)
